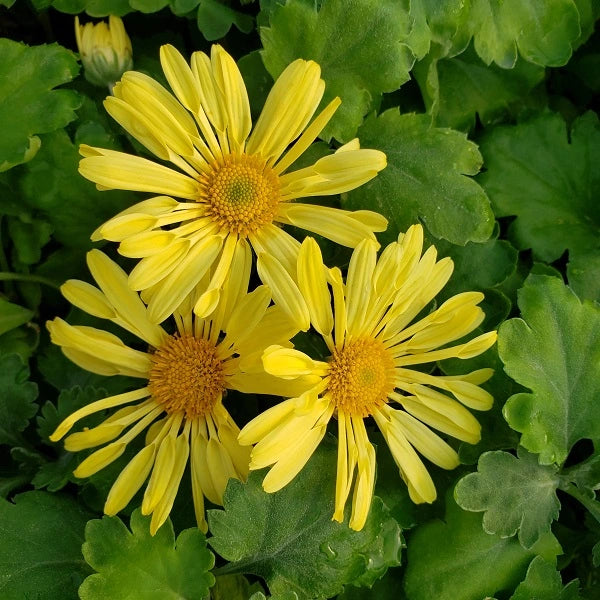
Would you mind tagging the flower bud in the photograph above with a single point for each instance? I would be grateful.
(105, 50)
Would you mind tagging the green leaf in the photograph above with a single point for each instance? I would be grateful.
(585, 475)
(517, 494)
(543, 32)
(346, 38)
(427, 178)
(233, 587)
(554, 350)
(54, 475)
(283, 536)
(215, 19)
(28, 103)
(498, 256)
(543, 581)
(69, 202)
(17, 399)
(582, 273)
(458, 560)
(551, 185)
(148, 6)
(69, 401)
(467, 87)
(40, 554)
(29, 236)
(94, 8)
(170, 569)
(12, 315)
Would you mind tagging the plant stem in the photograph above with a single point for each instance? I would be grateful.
(592, 505)
(29, 278)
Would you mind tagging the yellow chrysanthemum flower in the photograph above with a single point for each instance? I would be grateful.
(185, 377)
(105, 50)
(236, 185)
(372, 347)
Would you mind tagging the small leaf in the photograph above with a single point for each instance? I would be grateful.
(543, 32)
(467, 87)
(345, 37)
(29, 236)
(215, 19)
(543, 581)
(172, 568)
(582, 272)
(283, 536)
(498, 256)
(554, 350)
(40, 554)
(427, 178)
(549, 183)
(458, 560)
(17, 398)
(71, 204)
(12, 315)
(28, 104)
(517, 494)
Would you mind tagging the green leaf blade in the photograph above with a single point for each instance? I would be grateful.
(28, 103)
(17, 399)
(283, 536)
(162, 567)
(516, 494)
(554, 350)
(427, 179)
(40, 554)
(551, 185)
(345, 38)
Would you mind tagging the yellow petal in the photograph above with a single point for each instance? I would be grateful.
(146, 243)
(152, 269)
(161, 473)
(358, 283)
(99, 459)
(180, 77)
(332, 223)
(290, 105)
(267, 421)
(287, 363)
(290, 465)
(130, 480)
(88, 298)
(114, 283)
(183, 278)
(117, 170)
(234, 96)
(284, 290)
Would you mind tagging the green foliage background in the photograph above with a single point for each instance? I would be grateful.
(485, 109)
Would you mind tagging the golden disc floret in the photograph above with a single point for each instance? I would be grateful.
(360, 377)
(241, 194)
(186, 376)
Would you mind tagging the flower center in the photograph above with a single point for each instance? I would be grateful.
(242, 194)
(186, 376)
(360, 377)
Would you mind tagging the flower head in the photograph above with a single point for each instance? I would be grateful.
(185, 375)
(105, 50)
(234, 182)
(370, 373)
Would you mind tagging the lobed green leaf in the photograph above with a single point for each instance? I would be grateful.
(554, 350)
